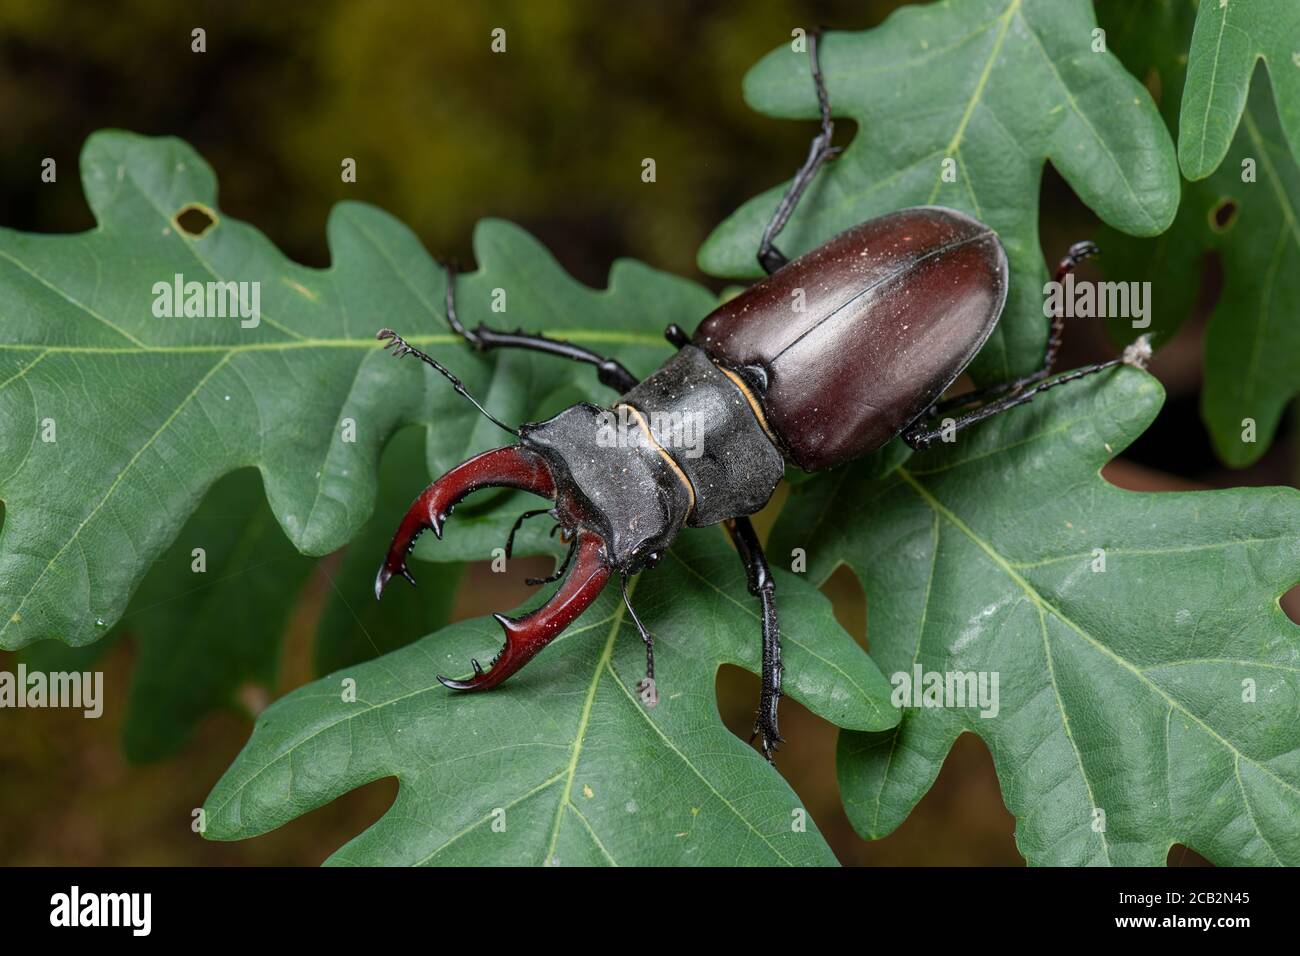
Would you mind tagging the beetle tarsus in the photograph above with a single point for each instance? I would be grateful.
(765, 728)
(1076, 254)
(769, 256)
(918, 440)
(1073, 256)
(646, 690)
(646, 686)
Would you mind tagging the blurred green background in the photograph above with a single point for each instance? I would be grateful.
(550, 134)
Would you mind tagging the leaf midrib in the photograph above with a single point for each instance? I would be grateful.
(954, 144)
(579, 334)
(584, 719)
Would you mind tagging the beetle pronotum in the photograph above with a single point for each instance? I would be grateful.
(894, 311)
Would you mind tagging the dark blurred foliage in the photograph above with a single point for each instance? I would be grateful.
(551, 135)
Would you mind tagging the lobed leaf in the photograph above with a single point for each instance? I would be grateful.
(115, 422)
(209, 622)
(1246, 210)
(1148, 681)
(1228, 42)
(563, 764)
(986, 90)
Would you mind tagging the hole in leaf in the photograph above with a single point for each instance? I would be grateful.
(1223, 215)
(195, 220)
(1180, 855)
(1291, 603)
(845, 131)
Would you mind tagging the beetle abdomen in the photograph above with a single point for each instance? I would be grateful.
(854, 340)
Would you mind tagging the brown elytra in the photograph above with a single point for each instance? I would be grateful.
(857, 338)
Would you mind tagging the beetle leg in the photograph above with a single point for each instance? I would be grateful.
(769, 256)
(1022, 390)
(1076, 254)
(559, 572)
(920, 438)
(510, 467)
(676, 336)
(609, 371)
(514, 529)
(646, 686)
(762, 587)
(527, 635)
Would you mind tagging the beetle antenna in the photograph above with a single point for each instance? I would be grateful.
(645, 687)
(401, 347)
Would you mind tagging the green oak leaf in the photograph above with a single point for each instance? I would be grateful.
(1252, 343)
(114, 422)
(1152, 702)
(1248, 211)
(202, 637)
(1229, 40)
(988, 90)
(562, 764)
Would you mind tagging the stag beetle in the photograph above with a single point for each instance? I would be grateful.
(894, 311)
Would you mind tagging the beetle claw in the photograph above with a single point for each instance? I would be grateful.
(384, 575)
(771, 737)
(510, 467)
(527, 635)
